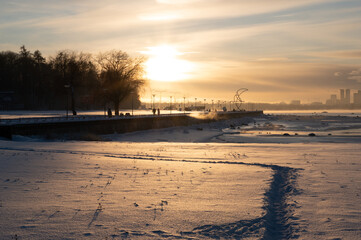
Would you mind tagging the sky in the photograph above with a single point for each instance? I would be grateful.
(280, 50)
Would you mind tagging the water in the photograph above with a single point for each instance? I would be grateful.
(333, 112)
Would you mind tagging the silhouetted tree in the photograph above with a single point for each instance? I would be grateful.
(8, 70)
(74, 72)
(88, 82)
(26, 70)
(120, 75)
(41, 86)
(37, 83)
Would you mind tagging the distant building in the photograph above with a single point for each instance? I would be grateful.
(357, 97)
(295, 102)
(333, 100)
(348, 97)
(345, 96)
(342, 96)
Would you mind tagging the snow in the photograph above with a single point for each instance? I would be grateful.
(296, 129)
(232, 179)
(51, 192)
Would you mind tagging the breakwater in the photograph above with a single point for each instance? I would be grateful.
(86, 125)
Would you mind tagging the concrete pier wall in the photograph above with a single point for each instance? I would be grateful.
(116, 124)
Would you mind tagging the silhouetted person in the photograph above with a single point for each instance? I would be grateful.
(154, 110)
(109, 113)
(74, 112)
(158, 111)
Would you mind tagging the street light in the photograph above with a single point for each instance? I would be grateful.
(67, 86)
(184, 105)
(105, 102)
(153, 101)
(160, 101)
(132, 103)
(170, 105)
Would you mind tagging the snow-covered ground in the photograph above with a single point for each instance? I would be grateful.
(233, 179)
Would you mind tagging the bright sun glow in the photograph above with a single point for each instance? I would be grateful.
(163, 64)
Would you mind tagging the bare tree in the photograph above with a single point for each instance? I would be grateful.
(121, 75)
(73, 69)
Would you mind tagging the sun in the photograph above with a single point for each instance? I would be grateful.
(164, 64)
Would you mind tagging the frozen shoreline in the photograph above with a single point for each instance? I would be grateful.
(266, 129)
(187, 182)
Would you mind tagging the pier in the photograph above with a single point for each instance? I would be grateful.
(102, 125)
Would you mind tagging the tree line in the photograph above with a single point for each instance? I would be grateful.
(69, 79)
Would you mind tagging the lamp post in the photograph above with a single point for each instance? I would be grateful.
(170, 105)
(195, 103)
(160, 101)
(67, 86)
(132, 103)
(153, 101)
(104, 93)
(184, 105)
(204, 105)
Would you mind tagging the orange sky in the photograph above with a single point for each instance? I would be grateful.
(280, 50)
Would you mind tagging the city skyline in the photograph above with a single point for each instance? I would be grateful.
(280, 51)
(344, 97)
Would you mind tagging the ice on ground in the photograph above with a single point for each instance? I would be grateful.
(295, 129)
(268, 129)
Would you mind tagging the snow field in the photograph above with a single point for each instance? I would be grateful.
(233, 179)
(67, 192)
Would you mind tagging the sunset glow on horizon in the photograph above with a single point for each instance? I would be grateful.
(279, 50)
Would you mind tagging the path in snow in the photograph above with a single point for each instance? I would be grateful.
(276, 223)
